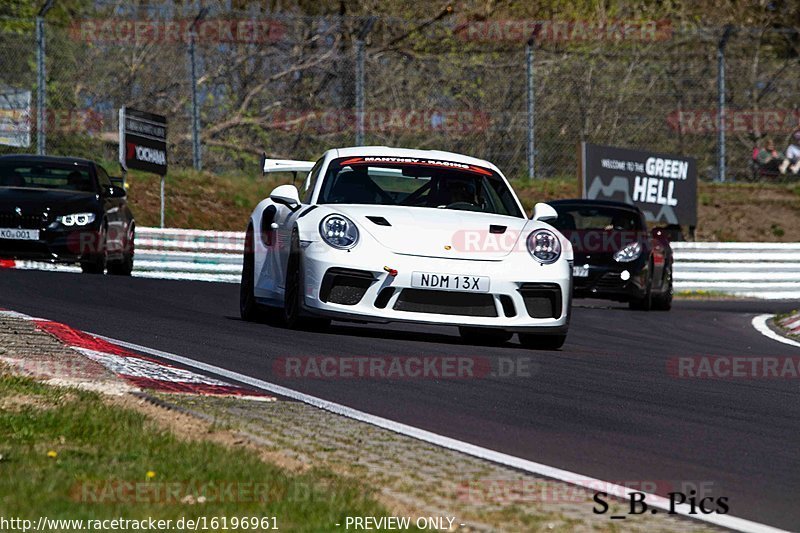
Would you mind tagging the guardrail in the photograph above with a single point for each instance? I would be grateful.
(762, 270)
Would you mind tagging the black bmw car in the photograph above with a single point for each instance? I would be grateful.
(616, 257)
(64, 210)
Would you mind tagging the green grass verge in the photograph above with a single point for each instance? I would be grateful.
(103, 454)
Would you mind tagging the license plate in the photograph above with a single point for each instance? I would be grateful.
(580, 271)
(449, 282)
(19, 234)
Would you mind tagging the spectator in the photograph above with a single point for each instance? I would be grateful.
(768, 157)
(792, 153)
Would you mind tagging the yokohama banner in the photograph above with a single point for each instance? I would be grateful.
(142, 141)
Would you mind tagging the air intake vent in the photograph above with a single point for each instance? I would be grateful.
(380, 221)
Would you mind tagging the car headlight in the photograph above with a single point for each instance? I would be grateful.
(338, 231)
(544, 246)
(629, 253)
(77, 219)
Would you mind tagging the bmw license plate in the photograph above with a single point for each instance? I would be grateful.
(580, 271)
(19, 234)
(449, 282)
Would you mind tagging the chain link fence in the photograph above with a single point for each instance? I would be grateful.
(292, 86)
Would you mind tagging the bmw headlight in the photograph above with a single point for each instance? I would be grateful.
(338, 231)
(544, 246)
(77, 219)
(629, 253)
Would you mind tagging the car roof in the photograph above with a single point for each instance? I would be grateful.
(388, 151)
(588, 203)
(33, 158)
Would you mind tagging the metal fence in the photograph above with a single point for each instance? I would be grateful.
(518, 92)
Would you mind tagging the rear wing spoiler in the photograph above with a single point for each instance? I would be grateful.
(285, 165)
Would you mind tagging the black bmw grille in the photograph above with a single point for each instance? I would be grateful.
(13, 220)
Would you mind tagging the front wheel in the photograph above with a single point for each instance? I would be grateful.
(663, 302)
(249, 309)
(644, 303)
(125, 266)
(97, 263)
(294, 290)
(542, 342)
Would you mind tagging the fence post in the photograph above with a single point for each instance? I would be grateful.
(721, 102)
(41, 87)
(531, 105)
(362, 35)
(359, 92)
(197, 161)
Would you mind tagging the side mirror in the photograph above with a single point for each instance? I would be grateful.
(544, 212)
(286, 195)
(115, 192)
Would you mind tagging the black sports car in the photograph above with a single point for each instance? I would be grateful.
(65, 210)
(616, 257)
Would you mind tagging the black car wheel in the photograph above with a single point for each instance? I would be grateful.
(663, 301)
(124, 267)
(542, 342)
(484, 336)
(644, 303)
(97, 262)
(249, 309)
(293, 295)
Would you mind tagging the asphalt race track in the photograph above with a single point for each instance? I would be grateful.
(605, 406)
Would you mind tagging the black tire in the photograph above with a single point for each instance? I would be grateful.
(645, 303)
(484, 336)
(663, 301)
(124, 267)
(542, 342)
(249, 309)
(293, 296)
(98, 262)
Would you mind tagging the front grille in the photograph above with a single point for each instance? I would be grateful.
(542, 300)
(345, 286)
(13, 220)
(609, 280)
(446, 303)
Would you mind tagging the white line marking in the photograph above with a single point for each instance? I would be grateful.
(592, 484)
(760, 323)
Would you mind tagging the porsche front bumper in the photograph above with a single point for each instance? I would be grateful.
(523, 294)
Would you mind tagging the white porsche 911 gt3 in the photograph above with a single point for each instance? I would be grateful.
(383, 234)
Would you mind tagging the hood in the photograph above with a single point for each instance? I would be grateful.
(428, 232)
(40, 200)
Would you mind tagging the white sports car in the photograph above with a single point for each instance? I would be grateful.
(383, 234)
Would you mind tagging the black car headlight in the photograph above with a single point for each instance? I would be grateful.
(629, 253)
(544, 246)
(76, 219)
(338, 231)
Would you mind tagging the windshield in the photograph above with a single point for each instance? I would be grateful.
(417, 183)
(44, 175)
(581, 218)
